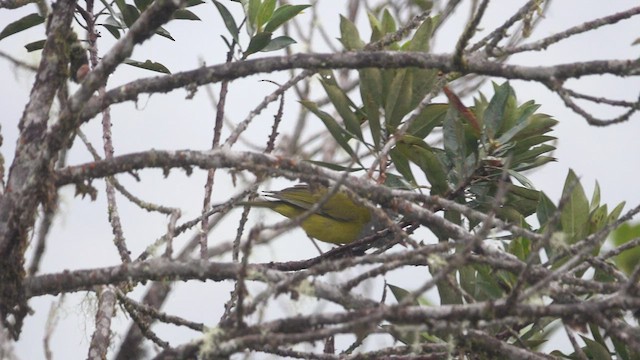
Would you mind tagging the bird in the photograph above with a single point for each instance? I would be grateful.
(339, 220)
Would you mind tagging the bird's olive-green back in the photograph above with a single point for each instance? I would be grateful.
(340, 220)
(339, 206)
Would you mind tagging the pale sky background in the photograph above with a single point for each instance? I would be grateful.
(81, 236)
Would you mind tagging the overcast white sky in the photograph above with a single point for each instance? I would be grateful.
(172, 122)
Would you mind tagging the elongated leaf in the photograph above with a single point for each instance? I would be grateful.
(349, 35)
(228, 20)
(129, 14)
(338, 133)
(398, 100)
(422, 37)
(252, 14)
(388, 23)
(615, 213)
(283, 14)
(184, 14)
(595, 198)
(532, 154)
(495, 112)
(24, 23)
(264, 13)
(400, 294)
(468, 280)
(401, 163)
(341, 102)
(521, 179)
(148, 65)
(278, 43)
(520, 247)
(539, 161)
(421, 154)
(376, 27)
(597, 219)
(370, 87)
(629, 259)
(546, 209)
(113, 30)
(538, 124)
(142, 5)
(595, 350)
(36, 45)
(525, 144)
(257, 43)
(430, 117)
(164, 33)
(455, 142)
(191, 3)
(575, 214)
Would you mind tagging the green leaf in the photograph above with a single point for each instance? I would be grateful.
(422, 37)
(525, 144)
(370, 86)
(338, 133)
(252, 15)
(278, 43)
(283, 14)
(520, 247)
(531, 155)
(595, 198)
(546, 209)
(264, 13)
(537, 124)
(597, 219)
(628, 259)
(142, 5)
(350, 37)
(595, 350)
(341, 102)
(376, 27)
(539, 161)
(191, 3)
(130, 14)
(421, 154)
(148, 65)
(164, 33)
(615, 213)
(388, 23)
(621, 348)
(401, 163)
(468, 280)
(575, 214)
(455, 144)
(184, 14)
(400, 294)
(422, 84)
(257, 43)
(394, 181)
(24, 23)
(487, 286)
(523, 199)
(398, 102)
(113, 30)
(495, 111)
(36, 45)
(521, 179)
(430, 117)
(228, 20)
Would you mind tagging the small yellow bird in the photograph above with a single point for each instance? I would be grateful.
(338, 221)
